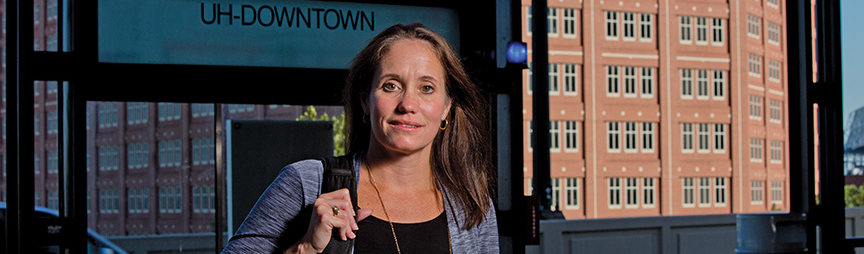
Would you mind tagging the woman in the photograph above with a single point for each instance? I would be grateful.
(416, 127)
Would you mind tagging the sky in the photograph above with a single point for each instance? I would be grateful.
(851, 35)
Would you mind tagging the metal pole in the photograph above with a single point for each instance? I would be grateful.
(540, 105)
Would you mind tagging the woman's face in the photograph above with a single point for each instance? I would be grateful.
(408, 99)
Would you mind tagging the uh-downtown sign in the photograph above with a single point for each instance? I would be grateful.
(302, 34)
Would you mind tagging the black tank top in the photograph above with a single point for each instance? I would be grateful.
(375, 236)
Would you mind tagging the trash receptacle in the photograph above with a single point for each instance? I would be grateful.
(771, 233)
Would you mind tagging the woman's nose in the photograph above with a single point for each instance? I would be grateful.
(408, 102)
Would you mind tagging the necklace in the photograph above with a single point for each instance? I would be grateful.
(392, 229)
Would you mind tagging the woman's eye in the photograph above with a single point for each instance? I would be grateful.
(427, 89)
(390, 87)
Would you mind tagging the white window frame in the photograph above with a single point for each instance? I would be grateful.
(552, 21)
(628, 26)
(772, 3)
(688, 192)
(754, 65)
(704, 137)
(631, 188)
(701, 31)
(719, 138)
(613, 137)
(776, 192)
(718, 31)
(753, 25)
(530, 82)
(571, 79)
(555, 136)
(687, 138)
(704, 192)
(554, 79)
(530, 134)
(649, 192)
(774, 72)
(756, 152)
(631, 138)
(755, 107)
(611, 25)
(776, 152)
(556, 194)
(720, 192)
(630, 87)
(719, 81)
(702, 88)
(756, 192)
(646, 27)
(686, 83)
(614, 187)
(648, 137)
(613, 81)
(775, 111)
(569, 22)
(571, 188)
(571, 136)
(647, 82)
(773, 33)
(685, 24)
(528, 20)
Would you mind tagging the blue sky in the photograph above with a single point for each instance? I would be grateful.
(852, 56)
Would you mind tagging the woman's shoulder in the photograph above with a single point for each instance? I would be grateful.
(304, 169)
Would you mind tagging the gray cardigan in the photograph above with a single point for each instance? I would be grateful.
(298, 185)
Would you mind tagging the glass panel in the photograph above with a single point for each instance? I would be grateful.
(679, 132)
(152, 168)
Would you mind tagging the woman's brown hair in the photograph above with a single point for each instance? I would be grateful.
(460, 153)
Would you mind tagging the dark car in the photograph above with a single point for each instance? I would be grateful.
(48, 231)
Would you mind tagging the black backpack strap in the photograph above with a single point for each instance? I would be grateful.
(339, 174)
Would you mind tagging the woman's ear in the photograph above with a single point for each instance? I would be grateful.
(447, 108)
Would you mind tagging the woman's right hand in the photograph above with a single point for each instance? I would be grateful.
(324, 220)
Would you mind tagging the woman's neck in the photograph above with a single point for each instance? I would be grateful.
(398, 170)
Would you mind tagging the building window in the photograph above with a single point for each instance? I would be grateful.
(169, 111)
(629, 26)
(108, 158)
(701, 30)
(648, 190)
(753, 25)
(755, 107)
(612, 81)
(169, 153)
(36, 124)
(37, 161)
(136, 113)
(686, 84)
(776, 151)
(719, 85)
(203, 109)
(553, 79)
(137, 155)
(613, 137)
(776, 192)
(571, 187)
(775, 111)
(756, 192)
(569, 21)
(720, 191)
(530, 136)
(773, 70)
(717, 31)
(107, 114)
(203, 151)
(687, 137)
(686, 27)
(614, 192)
(611, 25)
(647, 82)
(552, 18)
(528, 23)
(704, 191)
(203, 199)
(755, 65)
(554, 136)
(139, 200)
(719, 138)
(54, 161)
(630, 137)
(571, 79)
(773, 33)
(632, 190)
(571, 136)
(755, 150)
(556, 193)
(108, 201)
(169, 200)
(702, 84)
(704, 135)
(530, 79)
(647, 137)
(629, 81)
(688, 190)
(52, 122)
(646, 27)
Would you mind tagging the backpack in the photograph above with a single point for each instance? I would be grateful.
(338, 174)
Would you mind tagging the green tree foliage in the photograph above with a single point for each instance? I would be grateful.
(854, 195)
(338, 127)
